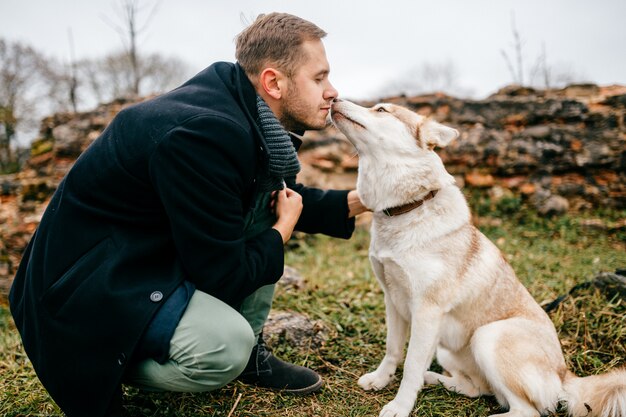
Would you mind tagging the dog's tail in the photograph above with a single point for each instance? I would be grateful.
(596, 396)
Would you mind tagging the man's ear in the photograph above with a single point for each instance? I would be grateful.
(436, 134)
(272, 82)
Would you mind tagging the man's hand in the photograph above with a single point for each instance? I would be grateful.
(355, 205)
(287, 204)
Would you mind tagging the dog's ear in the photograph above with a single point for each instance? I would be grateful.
(436, 134)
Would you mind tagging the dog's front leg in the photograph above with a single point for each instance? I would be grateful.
(425, 325)
(397, 330)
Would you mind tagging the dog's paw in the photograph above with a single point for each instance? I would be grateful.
(432, 378)
(374, 381)
(393, 409)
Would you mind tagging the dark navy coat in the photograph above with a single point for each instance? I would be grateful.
(158, 198)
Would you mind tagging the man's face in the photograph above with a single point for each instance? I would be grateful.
(306, 103)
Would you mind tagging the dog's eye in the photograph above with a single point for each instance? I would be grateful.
(381, 110)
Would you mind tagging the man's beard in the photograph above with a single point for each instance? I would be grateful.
(298, 115)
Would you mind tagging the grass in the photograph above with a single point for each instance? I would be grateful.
(550, 255)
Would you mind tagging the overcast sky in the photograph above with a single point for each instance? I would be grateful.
(370, 44)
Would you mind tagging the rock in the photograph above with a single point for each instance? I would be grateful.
(612, 283)
(295, 329)
(516, 90)
(581, 90)
(8, 185)
(36, 190)
(527, 189)
(476, 179)
(44, 159)
(553, 205)
(593, 224)
(497, 193)
(350, 162)
(291, 279)
(323, 164)
(538, 132)
(67, 141)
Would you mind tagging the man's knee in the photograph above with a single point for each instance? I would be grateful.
(227, 357)
(239, 343)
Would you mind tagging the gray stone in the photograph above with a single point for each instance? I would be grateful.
(295, 329)
(67, 141)
(538, 132)
(291, 279)
(553, 205)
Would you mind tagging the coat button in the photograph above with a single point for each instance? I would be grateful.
(156, 296)
(121, 359)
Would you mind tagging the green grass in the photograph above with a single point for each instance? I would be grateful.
(550, 255)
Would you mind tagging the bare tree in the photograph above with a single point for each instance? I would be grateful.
(73, 84)
(162, 73)
(89, 71)
(20, 70)
(112, 76)
(59, 89)
(31, 84)
(541, 74)
(129, 30)
(517, 71)
(550, 75)
(63, 81)
(127, 72)
(541, 70)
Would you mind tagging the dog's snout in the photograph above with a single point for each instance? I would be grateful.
(336, 103)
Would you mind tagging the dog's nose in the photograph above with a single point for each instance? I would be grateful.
(337, 100)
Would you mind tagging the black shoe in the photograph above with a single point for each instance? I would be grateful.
(267, 371)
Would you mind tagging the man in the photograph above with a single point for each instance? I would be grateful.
(154, 261)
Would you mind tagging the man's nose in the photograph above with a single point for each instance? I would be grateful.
(330, 93)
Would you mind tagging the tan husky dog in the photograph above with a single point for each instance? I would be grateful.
(449, 288)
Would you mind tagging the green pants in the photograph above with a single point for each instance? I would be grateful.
(210, 347)
(212, 342)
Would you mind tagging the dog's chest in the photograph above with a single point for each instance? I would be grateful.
(395, 283)
(406, 272)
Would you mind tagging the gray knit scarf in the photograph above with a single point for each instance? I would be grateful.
(283, 161)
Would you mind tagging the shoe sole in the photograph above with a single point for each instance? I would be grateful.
(306, 390)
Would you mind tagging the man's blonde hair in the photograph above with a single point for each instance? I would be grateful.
(275, 39)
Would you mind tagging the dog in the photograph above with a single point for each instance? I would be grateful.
(447, 287)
